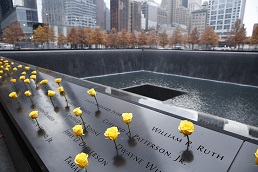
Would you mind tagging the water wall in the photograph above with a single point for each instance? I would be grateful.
(237, 67)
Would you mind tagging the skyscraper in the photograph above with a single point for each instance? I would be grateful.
(135, 16)
(100, 13)
(120, 14)
(150, 12)
(222, 15)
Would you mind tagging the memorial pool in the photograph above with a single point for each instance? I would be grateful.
(228, 100)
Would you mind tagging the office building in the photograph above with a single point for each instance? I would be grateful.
(150, 12)
(222, 15)
(100, 13)
(199, 20)
(135, 16)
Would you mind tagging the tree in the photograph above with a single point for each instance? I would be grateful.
(72, 37)
(194, 37)
(39, 35)
(133, 40)
(49, 34)
(89, 32)
(254, 38)
(209, 37)
(106, 41)
(123, 38)
(142, 38)
(163, 39)
(113, 37)
(13, 33)
(177, 37)
(81, 36)
(61, 40)
(152, 38)
(98, 38)
(237, 34)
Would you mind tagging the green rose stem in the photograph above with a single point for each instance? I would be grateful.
(85, 169)
(129, 130)
(31, 89)
(18, 101)
(187, 136)
(116, 147)
(52, 101)
(83, 123)
(96, 101)
(37, 122)
(31, 100)
(66, 100)
(82, 139)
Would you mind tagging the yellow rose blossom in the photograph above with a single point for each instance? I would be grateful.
(14, 69)
(27, 93)
(77, 111)
(27, 81)
(186, 127)
(112, 133)
(34, 114)
(27, 68)
(127, 117)
(6, 61)
(12, 63)
(8, 66)
(58, 80)
(0, 77)
(20, 66)
(22, 77)
(13, 81)
(61, 89)
(33, 77)
(92, 92)
(1, 72)
(13, 95)
(77, 130)
(51, 93)
(45, 81)
(81, 160)
(34, 72)
(7, 69)
(1, 67)
(256, 157)
(23, 73)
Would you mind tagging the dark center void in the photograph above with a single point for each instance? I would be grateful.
(155, 92)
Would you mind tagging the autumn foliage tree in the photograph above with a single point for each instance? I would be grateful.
(113, 38)
(98, 37)
(133, 39)
(163, 39)
(61, 40)
(123, 38)
(194, 37)
(177, 37)
(39, 35)
(152, 38)
(237, 34)
(72, 37)
(209, 37)
(81, 37)
(89, 33)
(142, 38)
(13, 33)
(254, 38)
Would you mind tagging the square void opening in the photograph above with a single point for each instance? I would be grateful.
(154, 92)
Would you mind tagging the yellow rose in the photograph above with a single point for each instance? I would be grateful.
(7, 69)
(77, 130)
(27, 81)
(13, 95)
(12, 63)
(20, 66)
(23, 73)
(81, 160)
(112, 133)
(1, 67)
(1, 72)
(22, 77)
(33, 77)
(58, 80)
(13, 80)
(127, 117)
(77, 111)
(256, 156)
(51, 93)
(61, 89)
(34, 114)
(186, 127)
(45, 81)
(6, 61)
(92, 92)
(14, 69)
(27, 93)
(34, 72)
(8, 66)
(27, 68)
(0, 77)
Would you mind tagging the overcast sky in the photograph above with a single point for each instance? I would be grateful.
(251, 14)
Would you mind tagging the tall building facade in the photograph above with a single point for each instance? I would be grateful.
(25, 12)
(222, 15)
(120, 14)
(135, 16)
(199, 20)
(53, 12)
(150, 12)
(100, 13)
